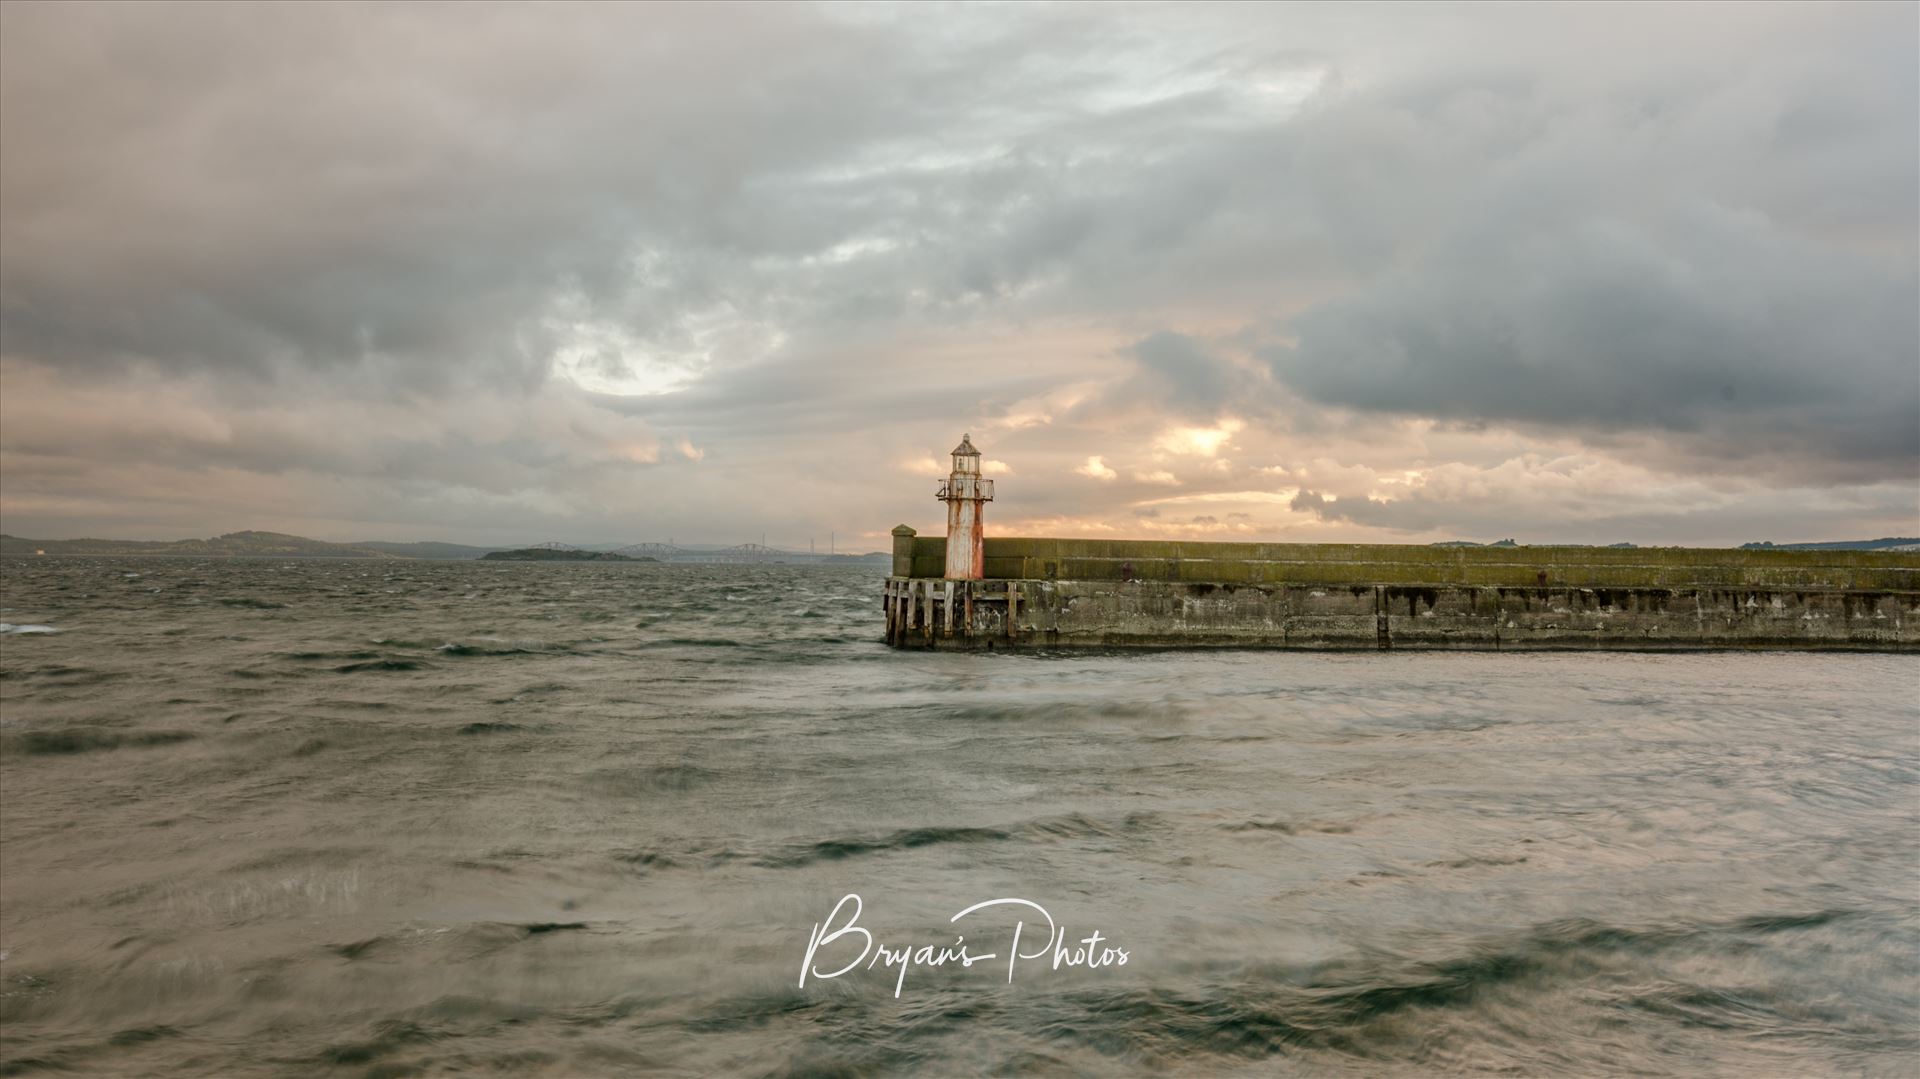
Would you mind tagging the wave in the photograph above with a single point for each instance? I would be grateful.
(1073, 826)
(491, 728)
(637, 782)
(795, 855)
(86, 740)
(1469, 863)
(454, 648)
(142, 1035)
(694, 642)
(72, 676)
(1374, 1015)
(30, 627)
(381, 665)
(1055, 712)
(649, 859)
(471, 940)
(1289, 828)
(829, 850)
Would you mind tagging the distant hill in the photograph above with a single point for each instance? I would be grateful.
(548, 554)
(427, 549)
(231, 545)
(1837, 545)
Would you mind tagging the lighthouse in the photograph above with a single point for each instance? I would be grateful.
(966, 494)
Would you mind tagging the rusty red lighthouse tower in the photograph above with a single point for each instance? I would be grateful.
(966, 496)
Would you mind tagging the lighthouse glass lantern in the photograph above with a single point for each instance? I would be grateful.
(966, 495)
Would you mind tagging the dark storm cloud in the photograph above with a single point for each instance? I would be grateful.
(1187, 378)
(1725, 254)
(1697, 320)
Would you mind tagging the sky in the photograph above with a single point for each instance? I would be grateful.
(500, 274)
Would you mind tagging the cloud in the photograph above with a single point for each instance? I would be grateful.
(1180, 375)
(1583, 498)
(1710, 325)
(595, 272)
(1198, 441)
(1364, 510)
(1097, 468)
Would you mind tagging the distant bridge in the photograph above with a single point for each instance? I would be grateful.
(665, 552)
(743, 552)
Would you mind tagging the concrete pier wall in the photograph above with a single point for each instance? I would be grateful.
(1089, 593)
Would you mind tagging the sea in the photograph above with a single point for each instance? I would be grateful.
(395, 818)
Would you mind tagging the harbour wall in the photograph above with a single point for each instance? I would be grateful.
(1049, 593)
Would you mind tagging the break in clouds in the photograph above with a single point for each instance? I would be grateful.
(505, 274)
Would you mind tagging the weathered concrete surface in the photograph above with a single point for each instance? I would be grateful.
(1020, 558)
(1108, 594)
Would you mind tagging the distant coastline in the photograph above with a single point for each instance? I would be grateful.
(257, 544)
(232, 545)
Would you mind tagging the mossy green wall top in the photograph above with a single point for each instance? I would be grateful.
(1012, 557)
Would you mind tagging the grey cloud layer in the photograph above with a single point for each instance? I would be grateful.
(1687, 233)
(247, 187)
(1705, 266)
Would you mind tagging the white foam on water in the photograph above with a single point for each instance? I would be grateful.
(9, 627)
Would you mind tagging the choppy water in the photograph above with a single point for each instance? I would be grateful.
(361, 818)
